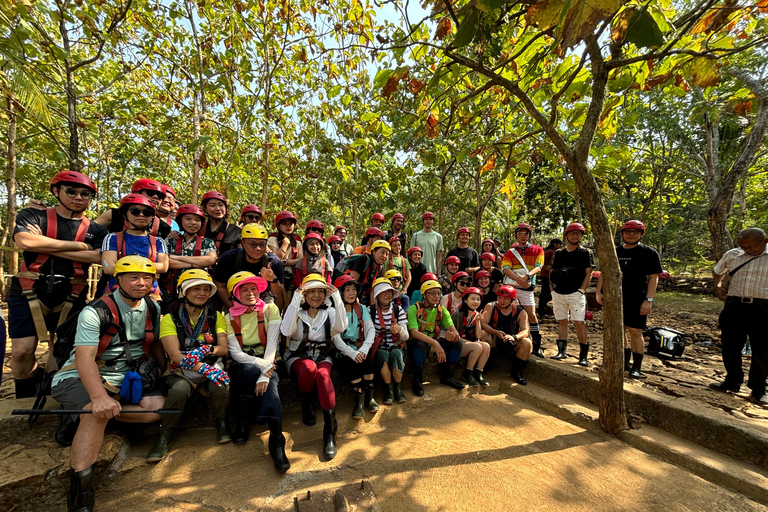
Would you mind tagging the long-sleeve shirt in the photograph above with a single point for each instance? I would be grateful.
(249, 327)
(349, 337)
(334, 311)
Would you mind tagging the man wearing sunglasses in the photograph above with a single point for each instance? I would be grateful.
(250, 214)
(58, 245)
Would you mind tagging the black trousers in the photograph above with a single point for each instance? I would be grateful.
(737, 321)
(544, 296)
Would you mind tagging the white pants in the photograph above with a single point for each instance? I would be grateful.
(575, 303)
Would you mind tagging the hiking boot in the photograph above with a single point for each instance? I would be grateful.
(222, 431)
(635, 372)
(330, 428)
(479, 378)
(160, 450)
(358, 412)
(446, 376)
(725, 386)
(308, 416)
(583, 351)
(81, 497)
(416, 383)
(277, 446)
(389, 396)
(399, 393)
(561, 346)
(27, 388)
(467, 377)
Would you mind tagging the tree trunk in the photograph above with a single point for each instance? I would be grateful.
(10, 184)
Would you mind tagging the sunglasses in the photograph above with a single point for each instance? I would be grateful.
(463, 282)
(252, 217)
(73, 192)
(395, 280)
(154, 194)
(141, 212)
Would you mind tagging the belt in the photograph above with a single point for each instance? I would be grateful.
(747, 300)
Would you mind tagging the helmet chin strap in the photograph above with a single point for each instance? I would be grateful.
(128, 297)
(70, 210)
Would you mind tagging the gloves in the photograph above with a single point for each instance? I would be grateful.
(218, 377)
(193, 357)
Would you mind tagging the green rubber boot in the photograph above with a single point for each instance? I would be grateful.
(159, 451)
(358, 412)
(370, 402)
(399, 393)
(389, 397)
(222, 431)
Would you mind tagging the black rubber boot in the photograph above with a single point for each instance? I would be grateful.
(358, 412)
(637, 362)
(222, 431)
(583, 351)
(329, 433)
(370, 402)
(159, 451)
(627, 358)
(81, 497)
(561, 346)
(389, 396)
(308, 416)
(518, 371)
(478, 374)
(242, 423)
(27, 388)
(536, 339)
(277, 445)
(399, 395)
(66, 429)
(468, 377)
(418, 378)
(446, 376)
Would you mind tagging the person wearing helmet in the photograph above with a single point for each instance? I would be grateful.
(139, 213)
(430, 325)
(99, 375)
(314, 260)
(225, 236)
(391, 324)
(286, 245)
(345, 247)
(372, 234)
(428, 276)
(58, 245)
(315, 226)
(397, 224)
(507, 323)
(487, 260)
(195, 338)
(253, 330)
(334, 242)
(250, 214)
(452, 301)
(431, 244)
(114, 220)
(253, 257)
(521, 264)
(418, 269)
(166, 207)
(367, 268)
(546, 293)
(469, 260)
(569, 278)
(189, 250)
(468, 321)
(640, 268)
(399, 298)
(356, 362)
(315, 316)
(489, 246)
(399, 263)
(483, 283)
(452, 264)
(377, 220)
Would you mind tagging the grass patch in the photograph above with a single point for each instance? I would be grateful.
(687, 302)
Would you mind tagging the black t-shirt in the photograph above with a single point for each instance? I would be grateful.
(229, 241)
(118, 224)
(497, 277)
(66, 229)
(402, 236)
(467, 255)
(488, 297)
(373, 270)
(574, 264)
(417, 273)
(636, 265)
(228, 265)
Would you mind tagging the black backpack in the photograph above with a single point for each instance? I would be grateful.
(666, 342)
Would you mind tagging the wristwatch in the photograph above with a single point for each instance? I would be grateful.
(649, 299)
(275, 280)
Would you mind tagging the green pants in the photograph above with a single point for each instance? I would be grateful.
(179, 391)
(395, 359)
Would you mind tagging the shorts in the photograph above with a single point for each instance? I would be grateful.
(632, 316)
(525, 297)
(72, 394)
(575, 303)
(20, 321)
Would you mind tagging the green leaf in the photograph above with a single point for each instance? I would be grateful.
(644, 32)
(489, 5)
(467, 31)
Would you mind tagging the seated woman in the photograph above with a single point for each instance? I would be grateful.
(452, 300)
(452, 265)
(487, 260)
(399, 298)
(483, 283)
(314, 259)
(315, 315)
(253, 328)
(391, 323)
(357, 340)
(468, 321)
(195, 338)
(418, 269)
(399, 263)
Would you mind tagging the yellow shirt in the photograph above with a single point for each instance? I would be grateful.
(168, 328)
(249, 326)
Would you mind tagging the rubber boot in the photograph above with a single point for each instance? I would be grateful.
(329, 433)
(370, 402)
(561, 346)
(627, 358)
(81, 497)
(418, 377)
(479, 378)
(399, 395)
(222, 431)
(389, 396)
(242, 423)
(637, 362)
(467, 377)
(536, 338)
(446, 376)
(308, 416)
(518, 368)
(583, 351)
(277, 445)
(27, 388)
(160, 450)
(66, 429)
(358, 412)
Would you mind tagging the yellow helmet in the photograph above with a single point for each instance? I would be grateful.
(134, 263)
(236, 278)
(193, 277)
(313, 281)
(428, 285)
(393, 274)
(378, 244)
(381, 280)
(254, 231)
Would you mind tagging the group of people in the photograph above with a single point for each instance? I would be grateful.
(201, 304)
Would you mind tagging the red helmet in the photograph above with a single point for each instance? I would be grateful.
(429, 276)
(339, 227)
(488, 256)
(73, 178)
(633, 224)
(596, 274)
(314, 236)
(457, 276)
(212, 194)
(482, 273)
(190, 209)
(251, 208)
(575, 226)
(506, 290)
(147, 184)
(315, 224)
(284, 215)
(394, 239)
(428, 215)
(453, 259)
(588, 315)
(374, 232)
(664, 275)
(463, 230)
(413, 249)
(169, 191)
(135, 199)
(524, 225)
(471, 289)
(398, 216)
(333, 238)
(378, 216)
(488, 240)
(344, 280)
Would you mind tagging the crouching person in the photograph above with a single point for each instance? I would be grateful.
(508, 324)
(83, 384)
(195, 338)
(252, 335)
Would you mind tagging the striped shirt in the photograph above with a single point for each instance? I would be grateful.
(532, 255)
(402, 319)
(751, 280)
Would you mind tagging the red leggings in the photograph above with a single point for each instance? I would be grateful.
(310, 374)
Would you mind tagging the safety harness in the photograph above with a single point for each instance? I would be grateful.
(237, 326)
(497, 314)
(421, 315)
(383, 327)
(172, 275)
(324, 348)
(208, 334)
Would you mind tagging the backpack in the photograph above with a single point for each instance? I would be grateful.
(342, 267)
(666, 342)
